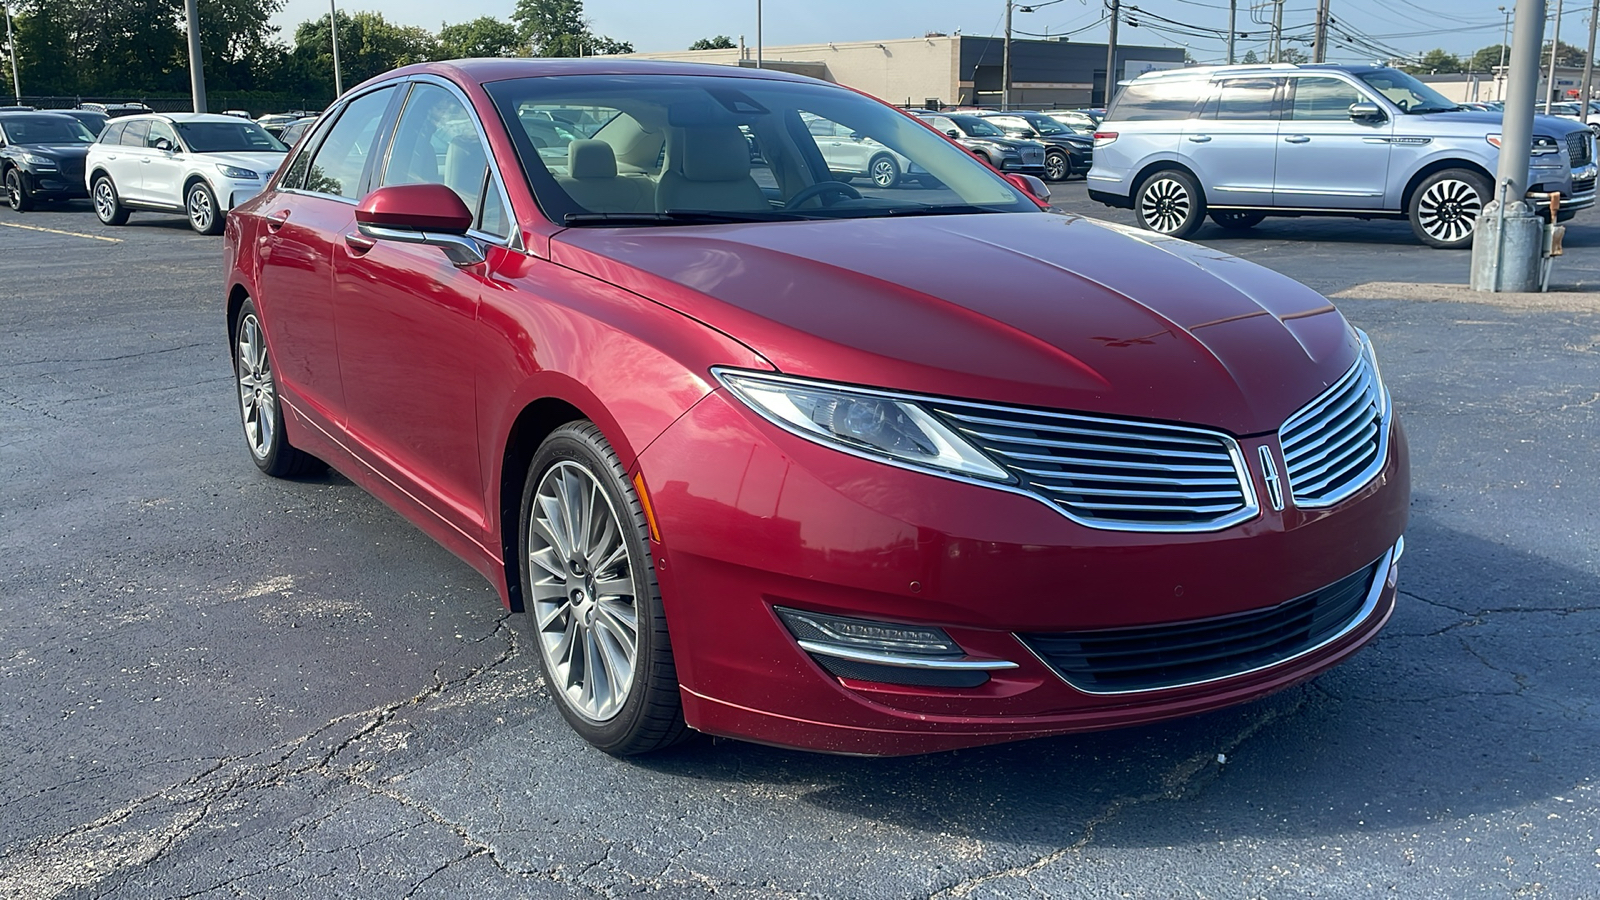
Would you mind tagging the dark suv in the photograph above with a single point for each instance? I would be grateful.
(1066, 153)
(41, 157)
(984, 138)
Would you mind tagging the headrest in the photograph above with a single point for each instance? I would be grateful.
(591, 159)
(715, 154)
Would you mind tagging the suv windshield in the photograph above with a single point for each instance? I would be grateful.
(226, 137)
(976, 127)
(49, 129)
(1412, 96)
(691, 150)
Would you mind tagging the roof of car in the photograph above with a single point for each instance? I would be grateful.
(1265, 69)
(487, 70)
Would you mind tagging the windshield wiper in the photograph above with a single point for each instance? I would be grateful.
(680, 217)
(1419, 110)
(948, 209)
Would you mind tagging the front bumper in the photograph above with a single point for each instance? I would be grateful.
(753, 518)
(54, 185)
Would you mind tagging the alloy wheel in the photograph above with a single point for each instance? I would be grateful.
(14, 191)
(105, 200)
(1055, 167)
(1165, 205)
(1448, 208)
(885, 173)
(258, 396)
(586, 614)
(200, 210)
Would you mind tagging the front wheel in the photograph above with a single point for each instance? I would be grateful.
(108, 206)
(1057, 167)
(1445, 207)
(204, 216)
(1170, 202)
(17, 196)
(592, 603)
(884, 170)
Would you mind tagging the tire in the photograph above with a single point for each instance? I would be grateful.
(1595, 127)
(1237, 221)
(1057, 166)
(1444, 206)
(17, 196)
(578, 599)
(1169, 202)
(884, 171)
(259, 410)
(108, 206)
(200, 204)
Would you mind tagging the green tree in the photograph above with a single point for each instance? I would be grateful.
(1293, 55)
(1250, 58)
(558, 28)
(1487, 58)
(1568, 55)
(368, 45)
(239, 43)
(483, 36)
(1436, 62)
(720, 42)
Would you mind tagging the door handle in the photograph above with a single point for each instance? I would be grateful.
(276, 220)
(1200, 138)
(358, 242)
(1297, 139)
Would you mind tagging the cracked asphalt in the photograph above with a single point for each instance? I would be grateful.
(220, 685)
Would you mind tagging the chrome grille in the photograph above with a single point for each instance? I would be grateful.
(1338, 441)
(1115, 474)
(1578, 147)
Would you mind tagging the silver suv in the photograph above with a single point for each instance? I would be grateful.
(1246, 142)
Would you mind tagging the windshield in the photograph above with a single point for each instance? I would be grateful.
(1411, 95)
(1047, 125)
(45, 130)
(228, 137)
(977, 127)
(691, 150)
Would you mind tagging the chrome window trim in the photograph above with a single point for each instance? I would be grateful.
(1380, 581)
(1366, 474)
(1250, 510)
(319, 134)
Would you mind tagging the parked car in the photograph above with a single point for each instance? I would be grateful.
(751, 466)
(1080, 121)
(193, 164)
(275, 123)
(1066, 154)
(41, 157)
(90, 119)
(850, 154)
(1246, 142)
(980, 136)
(294, 131)
(116, 110)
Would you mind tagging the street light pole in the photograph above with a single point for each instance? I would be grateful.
(333, 28)
(1505, 39)
(197, 75)
(11, 42)
(1555, 50)
(758, 34)
(1111, 54)
(1005, 62)
(1233, 13)
(1588, 64)
(1508, 238)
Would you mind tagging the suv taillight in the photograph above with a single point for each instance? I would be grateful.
(1102, 138)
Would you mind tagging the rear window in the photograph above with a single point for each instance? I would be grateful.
(1145, 101)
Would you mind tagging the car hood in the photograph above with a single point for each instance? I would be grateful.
(1032, 309)
(1491, 121)
(56, 151)
(264, 163)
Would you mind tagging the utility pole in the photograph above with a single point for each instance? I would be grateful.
(1555, 50)
(197, 75)
(1005, 62)
(1277, 31)
(1111, 54)
(1319, 53)
(1588, 64)
(1508, 238)
(1233, 13)
(333, 28)
(758, 34)
(11, 42)
(1505, 41)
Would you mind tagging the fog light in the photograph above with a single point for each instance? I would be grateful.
(865, 634)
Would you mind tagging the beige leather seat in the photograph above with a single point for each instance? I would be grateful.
(708, 167)
(594, 184)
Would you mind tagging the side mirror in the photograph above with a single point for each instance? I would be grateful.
(1031, 185)
(1366, 112)
(429, 214)
(164, 145)
(952, 132)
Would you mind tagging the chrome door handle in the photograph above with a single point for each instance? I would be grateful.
(1199, 138)
(358, 242)
(276, 220)
(1297, 139)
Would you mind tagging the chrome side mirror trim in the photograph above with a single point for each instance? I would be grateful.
(463, 251)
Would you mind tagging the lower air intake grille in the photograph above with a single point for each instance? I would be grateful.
(1149, 658)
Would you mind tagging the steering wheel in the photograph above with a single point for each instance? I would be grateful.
(821, 187)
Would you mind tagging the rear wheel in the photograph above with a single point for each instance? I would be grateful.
(593, 607)
(107, 205)
(258, 402)
(1057, 167)
(1170, 202)
(1445, 207)
(884, 170)
(1237, 221)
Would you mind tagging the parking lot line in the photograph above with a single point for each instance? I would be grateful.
(92, 237)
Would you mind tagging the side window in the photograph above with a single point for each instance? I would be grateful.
(943, 124)
(1246, 99)
(1158, 100)
(113, 133)
(342, 157)
(1323, 99)
(136, 133)
(161, 131)
(437, 142)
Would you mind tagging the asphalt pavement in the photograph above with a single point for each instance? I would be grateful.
(222, 685)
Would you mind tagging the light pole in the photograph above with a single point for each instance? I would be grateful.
(1555, 50)
(758, 34)
(1111, 54)
(11, 42)
(1588, 64)
(333, 29)
(1233, 13)
(197, 75)
(1505, 36)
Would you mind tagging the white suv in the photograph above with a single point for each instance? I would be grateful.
(195, 164)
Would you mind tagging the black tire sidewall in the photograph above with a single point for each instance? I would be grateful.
(274, 462)
(1197, 202)
(20, 201)
(872, 170)
(119, 214)
(582, 443)
(1479, 183)
(215, 226)
(1066, 165)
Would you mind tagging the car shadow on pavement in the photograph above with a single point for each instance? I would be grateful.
(1477, 698)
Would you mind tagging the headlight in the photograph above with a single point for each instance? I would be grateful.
(236, 172)
(859, 421)
(37, 161)
(1542, 146)
(1377, 376)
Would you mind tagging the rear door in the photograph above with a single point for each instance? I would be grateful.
(127, 164)
(1326, 160)
(1232, 146)
(162, 180)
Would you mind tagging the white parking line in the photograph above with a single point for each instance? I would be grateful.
(92, 237)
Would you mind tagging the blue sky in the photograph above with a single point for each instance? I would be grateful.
(1408, 26)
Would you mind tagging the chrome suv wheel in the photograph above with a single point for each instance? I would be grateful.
(1445, 207)
(1170, 202)
(204, 216)
(885, 171)
(1056, 166)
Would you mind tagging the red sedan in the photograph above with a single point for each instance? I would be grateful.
(766, 454)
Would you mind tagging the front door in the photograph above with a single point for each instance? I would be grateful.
(1233, 144)
(1325, 159)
